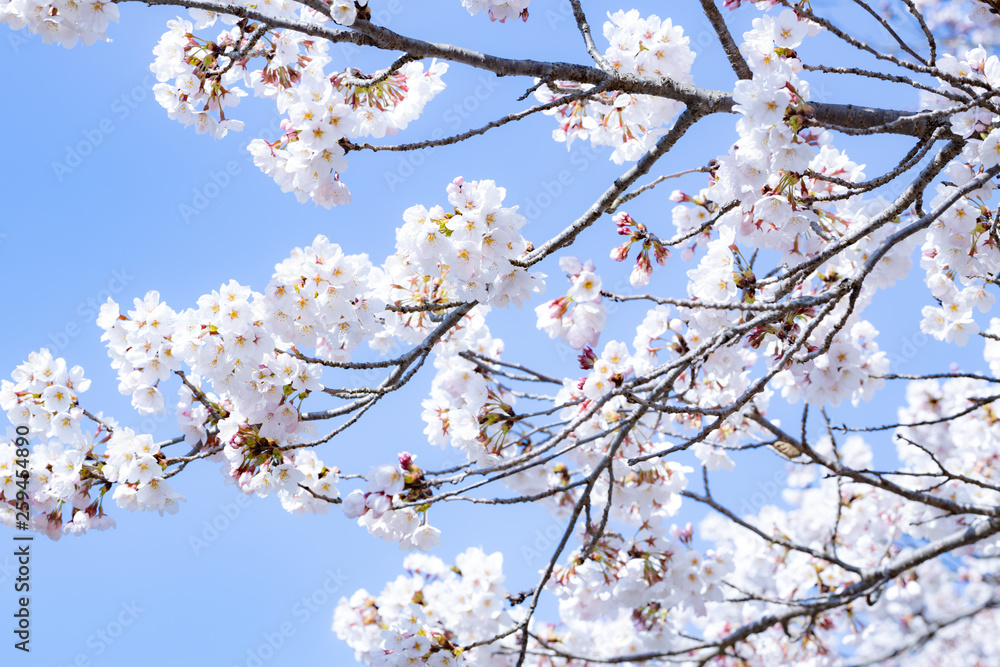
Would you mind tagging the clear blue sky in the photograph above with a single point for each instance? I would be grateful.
(94, 178)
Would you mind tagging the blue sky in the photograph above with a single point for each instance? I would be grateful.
(97, 181)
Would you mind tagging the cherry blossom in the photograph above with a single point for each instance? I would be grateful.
(499, 10)
(870, 543)
(648, 47)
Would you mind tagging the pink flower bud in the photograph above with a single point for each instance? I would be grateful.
(682, 534)
(643, 261)
(623, 219)
(661, 253)
(559, 306)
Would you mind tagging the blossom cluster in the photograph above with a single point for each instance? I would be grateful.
(244, 378)
(389, 485)
(578, 317)
(787, 182)
(134, 462)
(631, 124)
(324, 110)
(229, 347)
(62, 22)
(631, 574)
(758, 171)
(63, 468)
(967, 446)
(960, 253)
(851, 367)
(467, 410)
(426, 616)
(44, 396)
(607, 371)
(201, 79)
(719, 270)
(58, 496)
(232, 343)
(467, 251)
(323, 299)
(874, 527)
(646, 492)
(196, 96)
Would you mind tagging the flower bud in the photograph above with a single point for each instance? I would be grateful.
(661, 253)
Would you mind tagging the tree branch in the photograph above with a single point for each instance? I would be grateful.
(736, 60)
